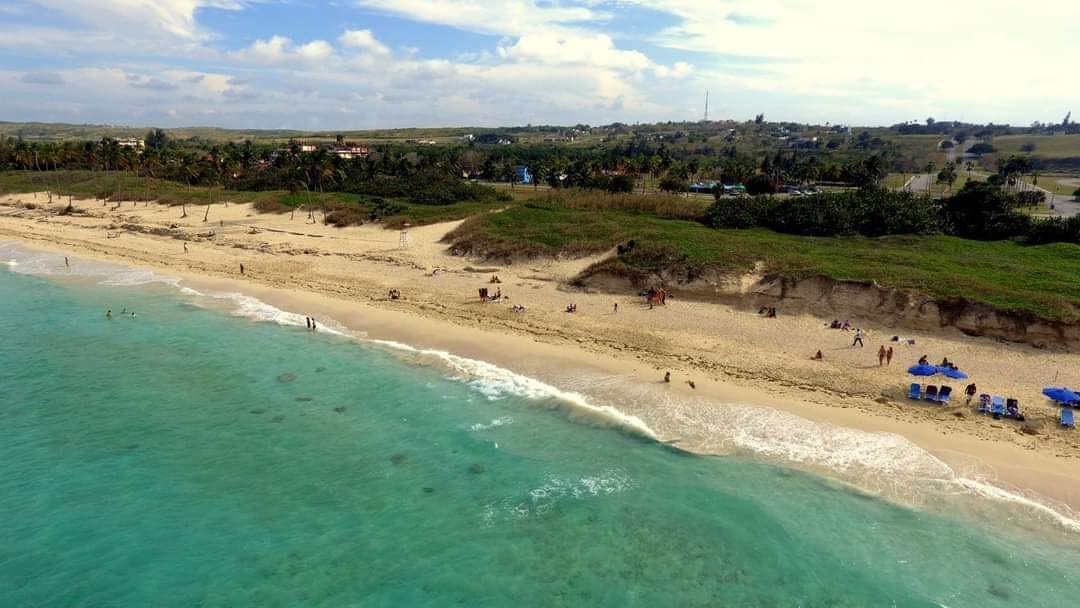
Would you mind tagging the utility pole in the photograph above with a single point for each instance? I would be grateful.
(706, 106)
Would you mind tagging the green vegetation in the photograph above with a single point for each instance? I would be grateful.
(340, 208)
(1046, 146)
(1041, 280)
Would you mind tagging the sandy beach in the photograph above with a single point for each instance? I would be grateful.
(732, 356)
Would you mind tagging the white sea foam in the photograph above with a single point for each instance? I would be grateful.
(495, 382)
(554, 490)
(497, 422)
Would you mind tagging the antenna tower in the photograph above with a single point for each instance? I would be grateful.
(706, 106)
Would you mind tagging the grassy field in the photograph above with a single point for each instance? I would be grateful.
(1046, 146)
(89, 185)
(1041, 279)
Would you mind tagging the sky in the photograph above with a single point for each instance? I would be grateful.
(352, 64)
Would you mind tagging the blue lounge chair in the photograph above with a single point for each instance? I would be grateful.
(915, 392)
(984, 403)
(931, 393)
(944, 394)
(1012, 410)
(1067, 418)
(998, 407)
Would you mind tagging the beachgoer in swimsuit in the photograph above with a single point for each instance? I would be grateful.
(313, 326)
(888, 356)
(667, 376)
(881, 355)
(66, 262)
(616, 307)
(108, 314)
(241, 269)
(818, 356)
(858, 338)
(970, 392)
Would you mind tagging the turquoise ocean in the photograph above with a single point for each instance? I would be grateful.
(195, 457)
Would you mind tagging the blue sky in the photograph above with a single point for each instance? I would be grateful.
(339, 64)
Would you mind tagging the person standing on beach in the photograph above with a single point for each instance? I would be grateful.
(241, 268)
(66, 264)
(307, 322)
(667, 377)
(185, 247)
(881, 356)
(615, 308)
(313, 326)
(970, 392)
(888, 356)
(858, 338)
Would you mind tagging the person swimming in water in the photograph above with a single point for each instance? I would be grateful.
(108, 314)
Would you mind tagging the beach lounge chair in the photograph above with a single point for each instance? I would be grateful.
(998, 407)
(915, 392)
(1067, 418)
(944, 394)
(984, 403)
(931, 393)
(1012, 409)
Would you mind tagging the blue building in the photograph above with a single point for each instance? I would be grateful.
(524, 176)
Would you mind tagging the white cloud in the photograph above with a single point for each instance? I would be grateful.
(363, 40)
(922, 54)
(500, 17)
(597, 50)
(134, 17)
(280, 49)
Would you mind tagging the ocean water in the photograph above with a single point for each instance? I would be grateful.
(193, 457)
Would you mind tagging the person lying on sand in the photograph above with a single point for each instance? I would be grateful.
(691, 383)
(923, 360)
(818, 356)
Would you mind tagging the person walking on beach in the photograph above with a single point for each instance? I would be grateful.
(970, 392)
(858, 338)
(313, 326)
(881, 356)
(615, 307)
(185, 248)
(307, 322)
(66, 264)
(888, 356)
(241, 268)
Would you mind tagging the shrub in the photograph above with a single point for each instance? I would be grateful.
(760, 184)
(1030, 198)
(982, 148)
(671, 184)
(869, 212)
(1076, 194)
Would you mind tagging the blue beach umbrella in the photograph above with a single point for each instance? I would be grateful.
(1062, 395)
(922, 370)
(949, 372)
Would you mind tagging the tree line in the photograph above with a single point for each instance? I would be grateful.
(979, 210)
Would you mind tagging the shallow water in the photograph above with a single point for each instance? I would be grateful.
(191, 458)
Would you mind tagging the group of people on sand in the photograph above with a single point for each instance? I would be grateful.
(123, 313)
(495, 279)
(487, 296)
(667, 380)
(925, 360)
(311, 323)
(571, 308)
(884, 356)
(395, 294)
(836, 324)
(767, 312)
